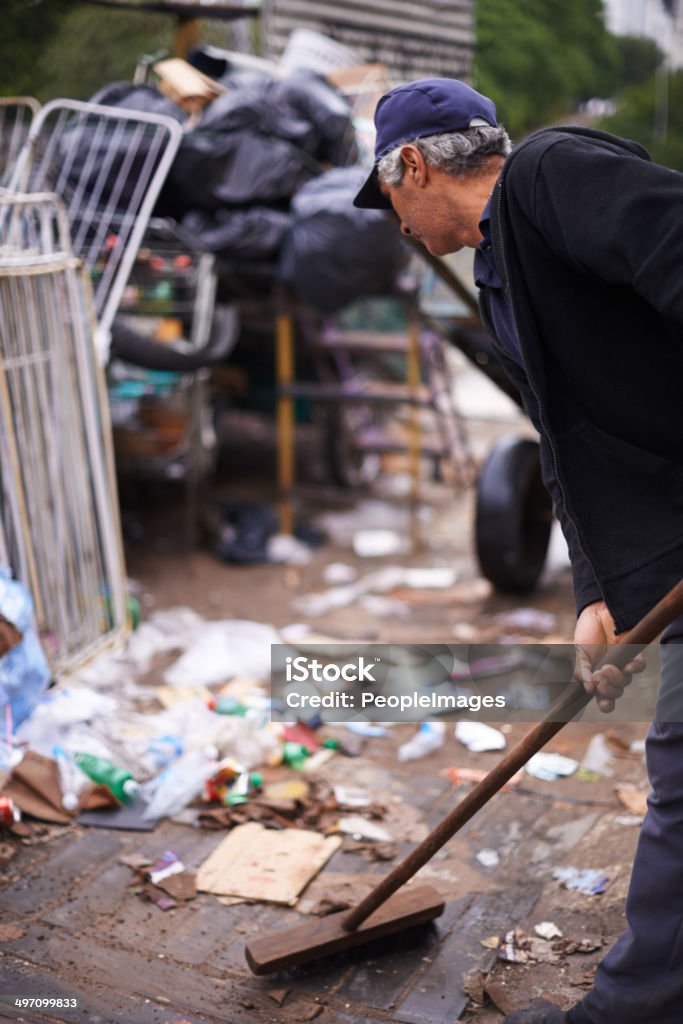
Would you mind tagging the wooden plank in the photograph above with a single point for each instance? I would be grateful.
(316, 939)
(256, 863)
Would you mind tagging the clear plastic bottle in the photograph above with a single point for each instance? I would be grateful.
(118, 780)
(428, 738)
(181, 783)
(72, 779)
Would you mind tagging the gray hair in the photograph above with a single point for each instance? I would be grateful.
(456, 153)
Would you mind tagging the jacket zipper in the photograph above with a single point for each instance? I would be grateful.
(532, 386)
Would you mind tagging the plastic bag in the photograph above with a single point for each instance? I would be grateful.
(24, 671)
(256, 233)
(309, 95)
(181, 783)
(334, 253)
(214, 169)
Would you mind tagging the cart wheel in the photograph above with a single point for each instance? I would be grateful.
(513, 516)
(348, 465)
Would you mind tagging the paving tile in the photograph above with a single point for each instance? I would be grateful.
(437, 996)
(383, 970)
(101, 895)
(73, 957)
(95, 1007)
(51, 881)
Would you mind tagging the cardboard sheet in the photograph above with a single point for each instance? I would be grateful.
(257, 863)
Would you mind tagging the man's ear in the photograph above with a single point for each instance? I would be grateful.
(414, 164)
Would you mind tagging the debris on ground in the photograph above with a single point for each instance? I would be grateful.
(488, 858)
(479, 737)
(590, 881)
(548, 930)
(429, 737)
(549, 766)
(253, 862)
(598, 757)
(633, 800)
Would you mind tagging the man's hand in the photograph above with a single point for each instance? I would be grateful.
(594, 633)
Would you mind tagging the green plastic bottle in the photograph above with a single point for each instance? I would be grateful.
(118, 780)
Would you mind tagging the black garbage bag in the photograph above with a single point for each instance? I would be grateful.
(253, 233)
(216, 169)
(334, 254)
(316, 101)
(251, 103)
(144, 98)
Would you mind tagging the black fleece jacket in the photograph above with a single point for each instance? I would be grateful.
(588, 238)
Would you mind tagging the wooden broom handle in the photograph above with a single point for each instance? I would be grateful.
(572, 701)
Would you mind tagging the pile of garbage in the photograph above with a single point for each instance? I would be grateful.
(266, 172)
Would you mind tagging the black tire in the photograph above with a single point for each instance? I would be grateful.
(349, 466)
(513, 516)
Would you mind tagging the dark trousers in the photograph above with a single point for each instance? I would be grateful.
(640, 981)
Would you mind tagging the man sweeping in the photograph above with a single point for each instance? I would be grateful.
(578, 240)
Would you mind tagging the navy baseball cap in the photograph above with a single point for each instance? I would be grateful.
(430, 106)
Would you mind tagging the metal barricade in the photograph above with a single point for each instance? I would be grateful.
(16, 115)
(58, 502)
(107, 166)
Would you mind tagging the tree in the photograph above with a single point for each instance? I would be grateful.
(638, 117)
(539, 58)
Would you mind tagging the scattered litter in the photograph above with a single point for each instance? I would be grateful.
(478, 737)
(167, 864)
(474, 985)
(585, 981)
(383, 580)
(221, 650)
(518, 948)
(370, 850)
(634, 800)
(379, 543)
(360, 828)
(429, 737)
(24, 671)
(550, 766)
(488, 858)
(528, 619)
(284, 549)
(462, 776)
(598, 757)
(638, 747)
(257, 863)
(346, 796)
(590, 881)
(292, 789)
(568, 947)
(492, 942)
(617, 742)
(179, 784)
(338, 572)
(548, 930)
(278, 995)
(365, 728)
(628, 820)
(501, 998)
(316, 761)
(384, 607)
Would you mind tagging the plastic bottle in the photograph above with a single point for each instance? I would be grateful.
(72, 779)
(181, 783)
(118, 780)
(227, 706)
(428, 738)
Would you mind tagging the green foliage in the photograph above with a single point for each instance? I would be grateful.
(66, 48)
(639, 58)
(539, 58)
(652, 113)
